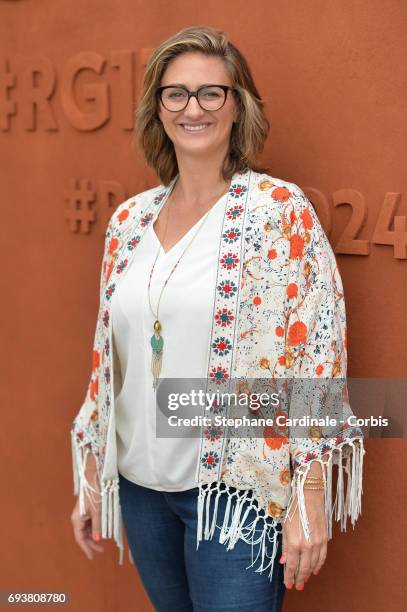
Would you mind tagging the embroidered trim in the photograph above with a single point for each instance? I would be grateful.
(226, 299)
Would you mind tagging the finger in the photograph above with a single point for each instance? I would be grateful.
(96, 524)
(321, 560)
(76, 517)
(283, 555)
(95, 546)
(83, 534)
(86, 548)
(304, 567)
(86, 538)
(316, 551)
(82, 541)
(291, 565)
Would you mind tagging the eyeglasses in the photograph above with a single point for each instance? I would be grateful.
(175, 98)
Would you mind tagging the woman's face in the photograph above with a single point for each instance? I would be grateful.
(193, 70)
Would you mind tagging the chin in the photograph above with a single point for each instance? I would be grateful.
(203, 147)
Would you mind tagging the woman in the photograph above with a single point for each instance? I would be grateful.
(250, 290)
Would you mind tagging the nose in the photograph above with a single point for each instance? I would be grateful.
(193, 109)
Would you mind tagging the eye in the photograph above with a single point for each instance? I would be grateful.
(210, 93)
(174, 94)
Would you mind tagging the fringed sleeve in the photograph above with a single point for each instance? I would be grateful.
(316, 352)
(85, 436)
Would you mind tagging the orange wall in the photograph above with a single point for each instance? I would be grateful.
(333, 78)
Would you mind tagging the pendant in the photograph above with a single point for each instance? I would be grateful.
(157, 343)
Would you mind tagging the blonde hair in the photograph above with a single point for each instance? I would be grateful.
(248, 135)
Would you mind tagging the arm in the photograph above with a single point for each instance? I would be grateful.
(316, 346)
(84, 430)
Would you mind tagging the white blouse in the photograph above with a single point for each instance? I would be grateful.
(185, 312)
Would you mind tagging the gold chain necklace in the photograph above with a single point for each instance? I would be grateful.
(157, 340)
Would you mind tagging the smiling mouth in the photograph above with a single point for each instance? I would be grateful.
(195, 128)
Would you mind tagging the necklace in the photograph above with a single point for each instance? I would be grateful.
(157, 340)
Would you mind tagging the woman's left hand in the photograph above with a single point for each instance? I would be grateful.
(303, 557)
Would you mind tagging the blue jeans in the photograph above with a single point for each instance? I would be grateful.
(161, 533)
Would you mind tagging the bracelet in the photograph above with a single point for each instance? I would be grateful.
(313, 483)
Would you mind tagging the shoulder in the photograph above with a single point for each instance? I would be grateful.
(283, 206)
(131, 207)
(278, 199)
(276, 190)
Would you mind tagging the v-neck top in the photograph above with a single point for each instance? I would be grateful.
(185, 311)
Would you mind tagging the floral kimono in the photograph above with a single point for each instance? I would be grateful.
(278, 314)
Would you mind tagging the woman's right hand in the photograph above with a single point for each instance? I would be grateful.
(87, 528)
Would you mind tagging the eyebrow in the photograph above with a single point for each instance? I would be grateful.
(183, 85)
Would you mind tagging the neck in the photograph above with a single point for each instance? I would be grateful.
(199, 182)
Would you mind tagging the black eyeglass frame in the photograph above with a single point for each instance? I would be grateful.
(193, 94)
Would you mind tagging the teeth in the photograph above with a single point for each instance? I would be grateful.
(195, 128)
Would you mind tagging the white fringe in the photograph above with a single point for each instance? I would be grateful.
(111, 514)
(234, 525)
(346, 504)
